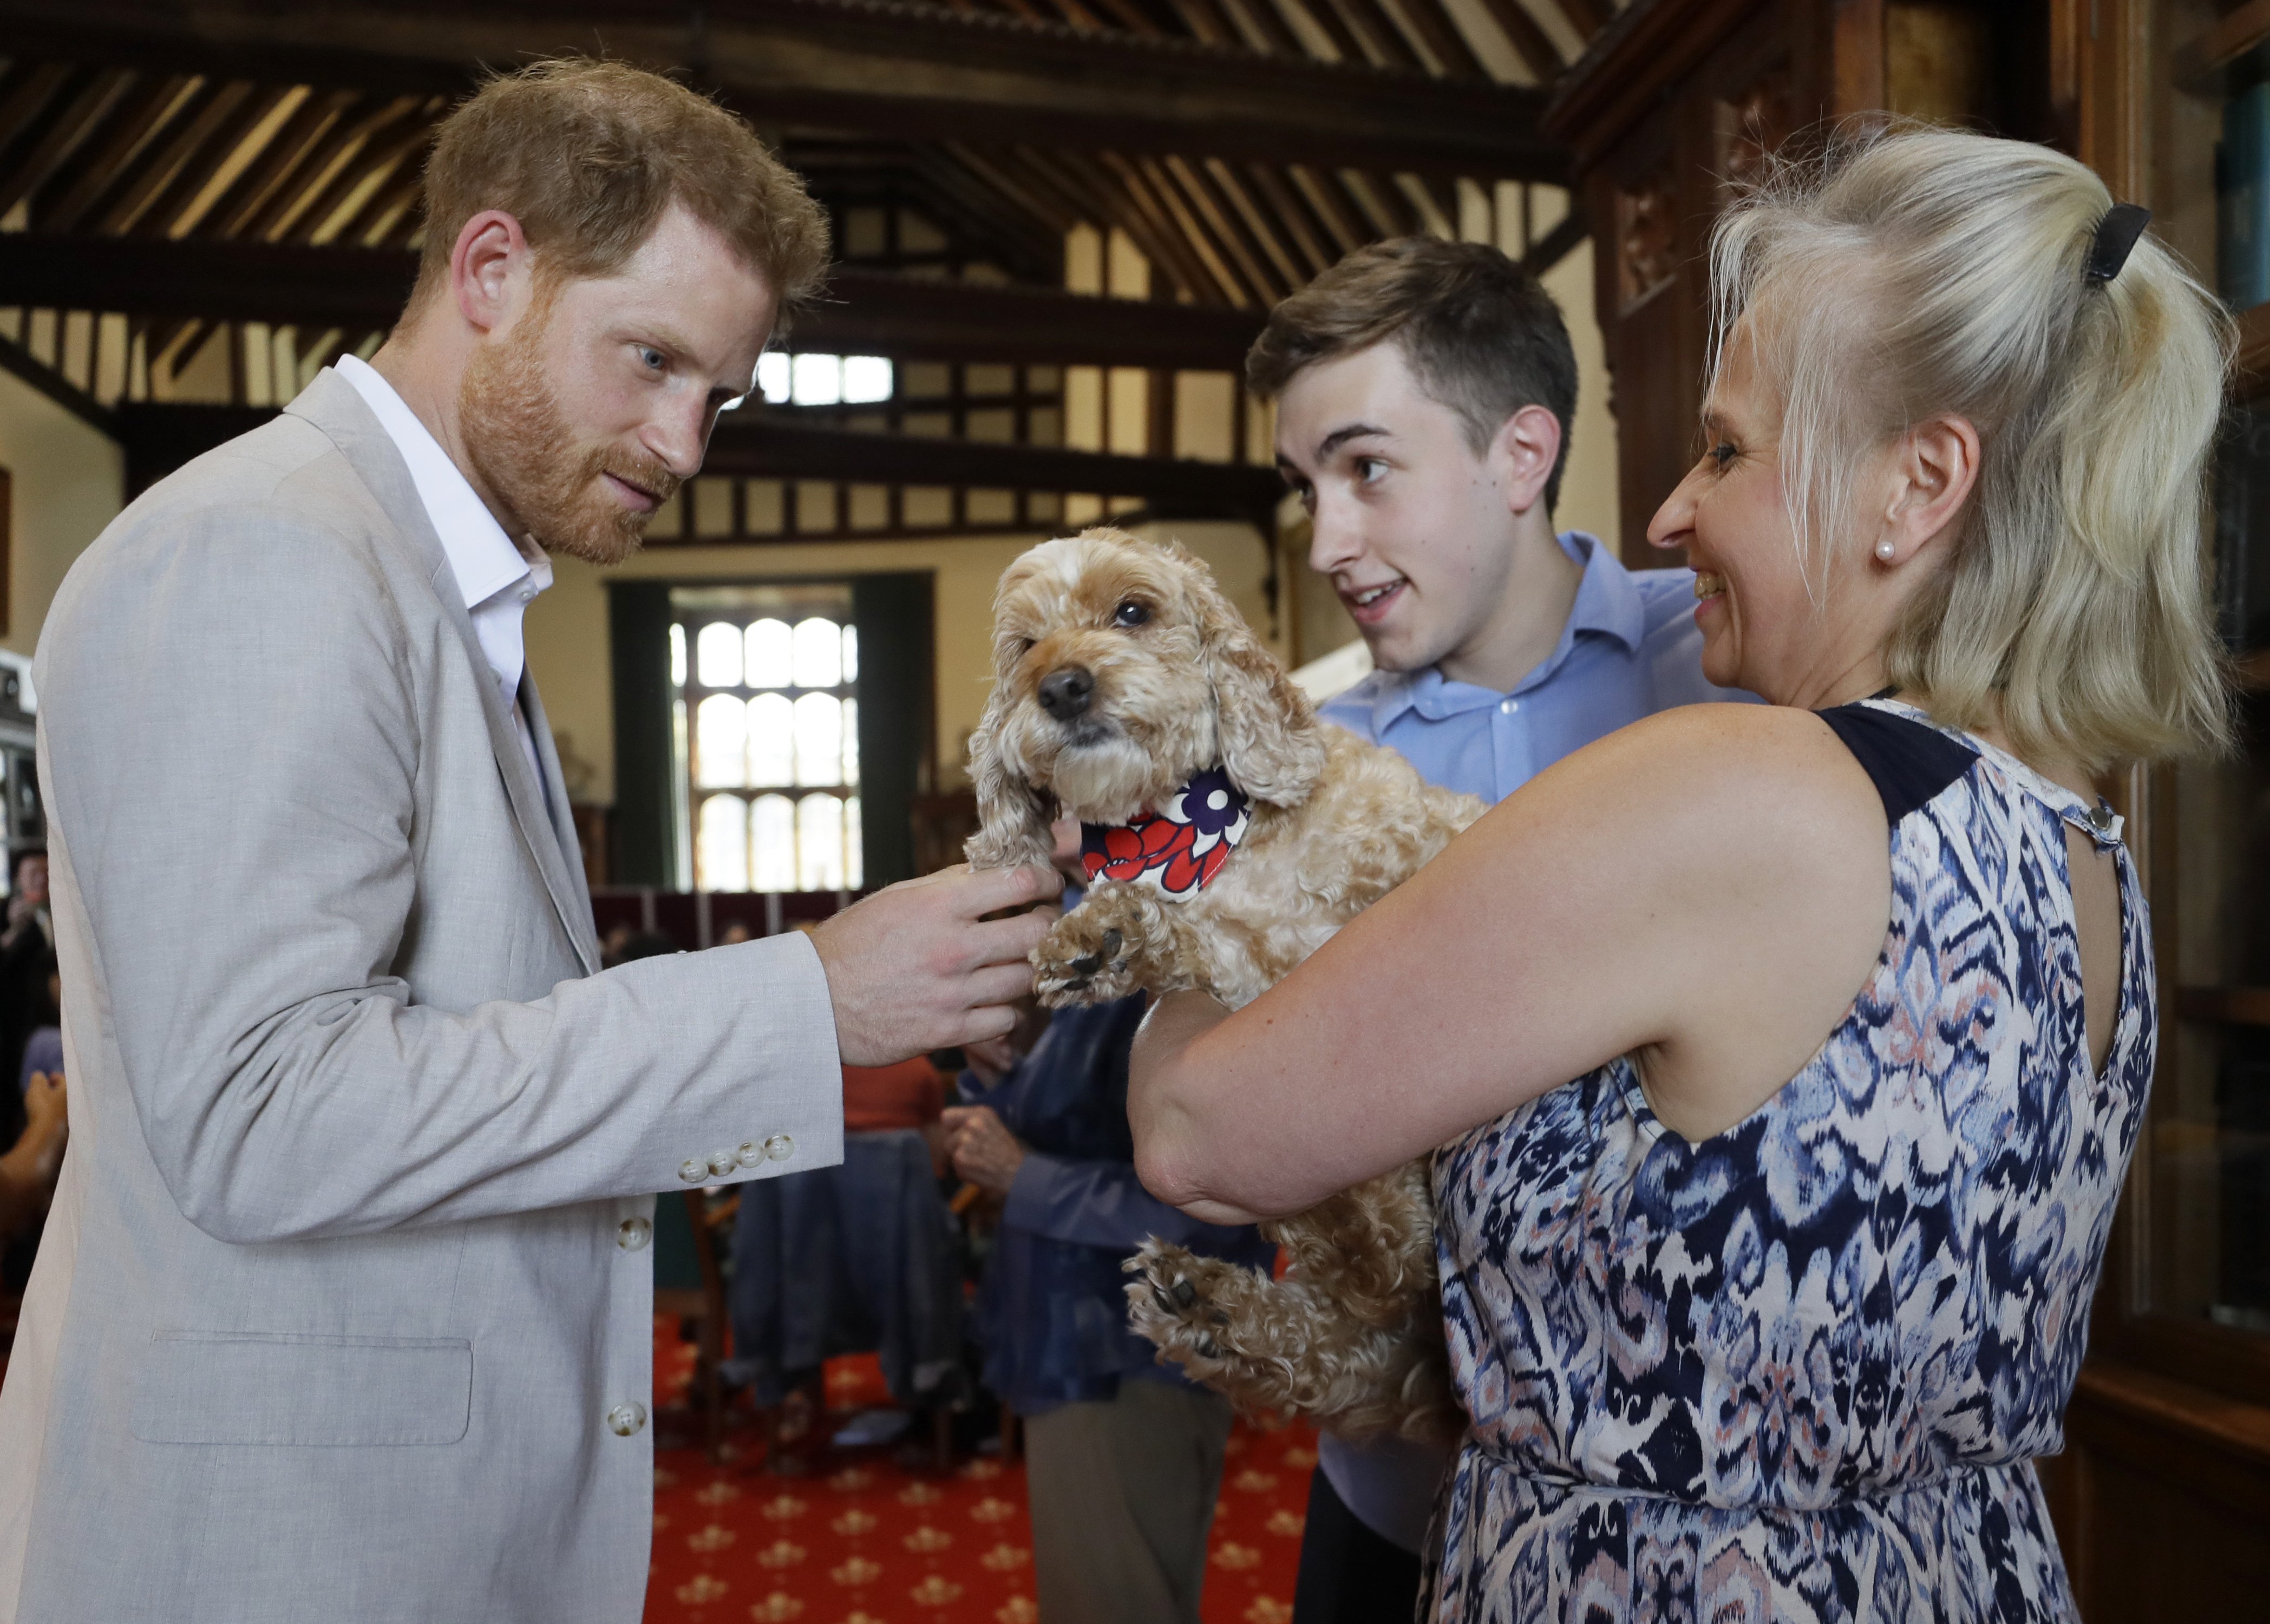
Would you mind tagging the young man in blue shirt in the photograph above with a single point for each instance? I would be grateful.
(1424, 393)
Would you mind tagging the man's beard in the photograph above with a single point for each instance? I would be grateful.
(521, 445)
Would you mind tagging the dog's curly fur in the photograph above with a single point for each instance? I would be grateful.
(1353, 1338)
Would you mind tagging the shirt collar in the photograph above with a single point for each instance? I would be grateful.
(481, 556)
(1607, 605)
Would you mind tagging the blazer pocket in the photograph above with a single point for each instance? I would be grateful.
(256, 1388)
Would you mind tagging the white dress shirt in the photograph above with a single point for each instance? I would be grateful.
(498, 580)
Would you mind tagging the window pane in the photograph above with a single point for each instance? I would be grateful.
(772, 739)
(771, 654)
(866, 378)
(771, 834)
(818, 654)
(820, 843)
(818, 739)
(819, 381)
(721, 851)
(855, 857)
(850, 653)
(851, 741)
(718, 655)
(773, 376)
(677, 655)
(718, 729)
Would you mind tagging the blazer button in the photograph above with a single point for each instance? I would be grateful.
(633, 1232)
(721, 1161)
(779, 1147)
(626, 1419)
(750, 1154)
(693, 1170)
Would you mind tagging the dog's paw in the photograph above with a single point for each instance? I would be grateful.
(1099, 951)
(1176, 1300)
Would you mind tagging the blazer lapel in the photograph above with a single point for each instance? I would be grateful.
(332, 406)
(563, 825)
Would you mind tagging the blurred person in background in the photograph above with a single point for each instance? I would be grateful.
(1124, 1454)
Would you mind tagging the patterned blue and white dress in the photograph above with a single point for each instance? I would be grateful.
(1799, 1371)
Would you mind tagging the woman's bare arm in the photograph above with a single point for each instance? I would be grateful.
(1707, 888)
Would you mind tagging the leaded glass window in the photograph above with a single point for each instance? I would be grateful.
(774, 760)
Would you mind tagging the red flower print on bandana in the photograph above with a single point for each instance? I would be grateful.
(1178, 849)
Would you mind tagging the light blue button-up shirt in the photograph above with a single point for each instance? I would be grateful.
(1630, 648)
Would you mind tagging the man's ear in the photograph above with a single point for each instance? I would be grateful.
(1934, 467)
(491, 250)
(1523, 454)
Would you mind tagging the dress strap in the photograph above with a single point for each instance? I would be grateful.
(1909, 761)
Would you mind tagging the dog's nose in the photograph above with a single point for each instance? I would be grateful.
(1065, 692)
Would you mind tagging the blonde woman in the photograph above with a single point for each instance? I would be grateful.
(1766, 1313)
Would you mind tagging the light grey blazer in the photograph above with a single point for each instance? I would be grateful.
(347, 1268)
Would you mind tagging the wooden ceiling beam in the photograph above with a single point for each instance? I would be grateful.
(1587, 17)
(204, 114)
(1161, 201)
(1132, 209)
(200, 167)
(1254, 219)
(1530, 42)
(912, 71)
(26, 94)
(1295, 215)
(1378, 41)
(61, 132)
(284, 154)
(1265, 27)
(868, 313)
(98, 166)
(400, 140)
(1231, 267)
(761, 444)
(1329, 200)
(1441, 35)
(319, 164)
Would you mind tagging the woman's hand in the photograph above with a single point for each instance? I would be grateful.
(983, 1150)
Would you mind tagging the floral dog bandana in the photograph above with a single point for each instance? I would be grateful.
(1178, 849)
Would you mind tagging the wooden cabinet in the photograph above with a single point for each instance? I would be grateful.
(2161, 1498)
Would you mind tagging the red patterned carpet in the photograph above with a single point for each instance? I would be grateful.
(874, 1544)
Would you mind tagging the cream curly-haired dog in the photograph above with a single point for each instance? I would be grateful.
(1228, 835)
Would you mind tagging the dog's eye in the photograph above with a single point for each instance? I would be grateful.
(1130, 613)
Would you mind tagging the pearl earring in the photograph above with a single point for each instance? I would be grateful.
(1887, 551)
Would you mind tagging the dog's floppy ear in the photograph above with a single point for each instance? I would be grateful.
(1270, 742)
(1013, 820)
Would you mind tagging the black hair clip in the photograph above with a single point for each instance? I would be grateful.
(2116, 235)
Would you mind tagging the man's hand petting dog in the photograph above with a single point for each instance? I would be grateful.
(983, 1150)
(919, 966)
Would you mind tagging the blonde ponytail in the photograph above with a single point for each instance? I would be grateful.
(1914, 271)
